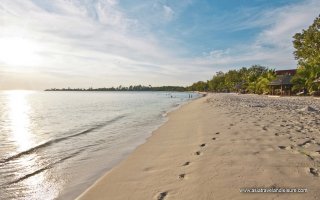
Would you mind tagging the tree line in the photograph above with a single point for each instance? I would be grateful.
(254, 79)
(122, 88)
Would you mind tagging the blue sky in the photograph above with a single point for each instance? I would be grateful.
(203, 25)
(83, 43)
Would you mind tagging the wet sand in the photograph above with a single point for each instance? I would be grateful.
(218, 144)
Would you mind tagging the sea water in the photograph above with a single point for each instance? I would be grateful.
(54, 145)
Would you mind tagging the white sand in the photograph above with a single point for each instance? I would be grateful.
(214, 146)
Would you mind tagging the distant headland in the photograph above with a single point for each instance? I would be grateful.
(121, 88)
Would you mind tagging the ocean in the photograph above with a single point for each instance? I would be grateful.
(54, 145)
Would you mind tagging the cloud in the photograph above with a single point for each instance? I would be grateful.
(273, 45)
(80, 38)
(168, 12)
(99, 43)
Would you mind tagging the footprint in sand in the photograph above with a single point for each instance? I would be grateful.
(186, 163)
(162, 195)
(197, 153)
(314, 171)
(306, 143)
(147, 169)
(214, 138)
(291, 138)
(203, 145)
(217, 133)
(182, 176)
(285, 147)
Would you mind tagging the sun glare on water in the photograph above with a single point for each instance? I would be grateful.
(19, 118)
(18, 52)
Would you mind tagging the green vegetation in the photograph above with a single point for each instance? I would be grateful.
(253, 80)
(121, 88)
(307, 45)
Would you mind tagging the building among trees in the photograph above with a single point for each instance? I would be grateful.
(282, 84)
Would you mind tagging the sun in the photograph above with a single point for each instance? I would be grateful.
(18, 52)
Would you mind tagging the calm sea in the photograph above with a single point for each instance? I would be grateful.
(56, 144)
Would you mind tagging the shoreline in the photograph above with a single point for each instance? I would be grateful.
(214, 146)
(167, 114)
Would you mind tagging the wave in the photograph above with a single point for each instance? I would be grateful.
(45, 168)
(53, 141)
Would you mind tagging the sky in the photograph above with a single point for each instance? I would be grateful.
(104, 43)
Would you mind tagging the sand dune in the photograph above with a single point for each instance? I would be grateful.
(216, 145)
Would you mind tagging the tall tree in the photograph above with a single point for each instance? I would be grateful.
(307, 45)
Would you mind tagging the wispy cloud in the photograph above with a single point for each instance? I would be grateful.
(273, 44)
(79, 38)
(168, 12)
(103, 43)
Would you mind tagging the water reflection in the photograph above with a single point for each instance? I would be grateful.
(30, 178)
(19, 119)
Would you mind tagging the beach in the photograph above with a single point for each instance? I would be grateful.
(218, 146)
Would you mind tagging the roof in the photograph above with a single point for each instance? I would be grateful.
(286, 72)
(282, 80)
